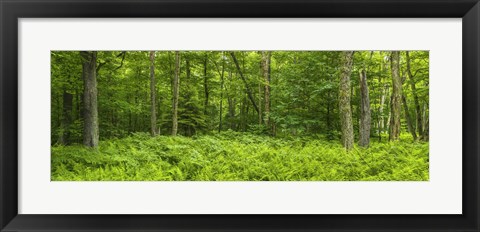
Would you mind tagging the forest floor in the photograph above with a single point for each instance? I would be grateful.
(233, 156)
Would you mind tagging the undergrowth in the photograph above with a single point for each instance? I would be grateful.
(232, 156)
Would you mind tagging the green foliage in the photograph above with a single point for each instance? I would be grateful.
(298, 139)
(234, 156)
(304, 92)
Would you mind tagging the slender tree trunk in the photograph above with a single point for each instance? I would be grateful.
(266, 56)
(78, 103)
(135, 118)
(381, 122)
(221, 94)
(328, 117)
(418, 111)
(58, 121)
(425, 121)
(269, 65)
(176, 83)
(205, 84)
(90, 111)
(231, 112)
(269, 123)
(153, 114)
(384, 89)
(242, 113)
(247, 88)
(259, 102)
(66, 118)
(365, 114)
(411, 129)
(426, 132)
(344, 100)
(159, 113)
(386, 114)
(189, 129)
(231, 104)
(396, 100)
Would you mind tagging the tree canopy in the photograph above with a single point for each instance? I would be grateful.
(297, 92)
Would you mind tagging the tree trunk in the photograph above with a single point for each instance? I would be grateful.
(78, 103)
(425, 121)
(418, 111)
(176, 83)
(381, 120)
(90, 111)
(153, 114)
(344, 100)
(243, 111)
(247, 88)
(396, 100)
(365, 114)
(205, 84)
(384, 92)
(260, 116)
(329, 122)
(67, 118)
(259, 103)
(231, 112)
(266, 78)
(426, 132)
(221, 94)
(411, 129)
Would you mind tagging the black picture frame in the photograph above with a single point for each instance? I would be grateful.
(12, 10)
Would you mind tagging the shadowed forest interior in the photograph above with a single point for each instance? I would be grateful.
(240, 115)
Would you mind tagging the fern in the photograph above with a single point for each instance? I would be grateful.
(234, 156)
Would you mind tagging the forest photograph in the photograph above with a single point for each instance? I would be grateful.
(239, 115)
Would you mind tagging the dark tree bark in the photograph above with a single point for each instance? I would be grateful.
(426, 132)
(153, 113)
(365, 114)
(176, 83)
(247, 88)
(418, 111)
(266, 56)
(90, 109)
(396, 100)
(345, 98)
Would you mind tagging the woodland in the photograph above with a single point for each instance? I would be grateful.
(239, 115)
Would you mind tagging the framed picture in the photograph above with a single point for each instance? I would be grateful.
(247, 116)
